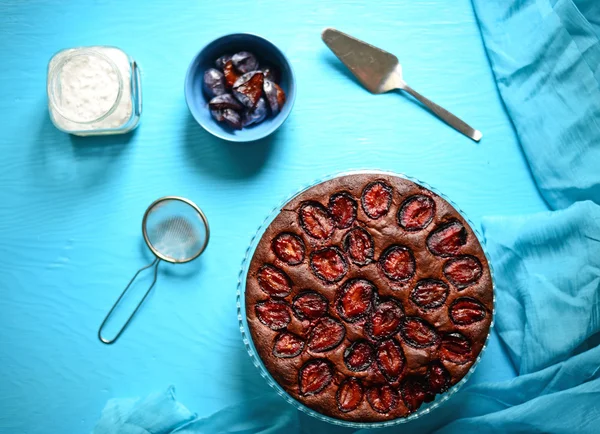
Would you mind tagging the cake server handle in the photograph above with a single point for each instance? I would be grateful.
(443, 114)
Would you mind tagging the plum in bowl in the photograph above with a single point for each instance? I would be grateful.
(250, 83)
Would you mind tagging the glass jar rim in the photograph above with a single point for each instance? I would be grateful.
(53, 76)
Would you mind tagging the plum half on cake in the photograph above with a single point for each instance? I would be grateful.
(368, 295)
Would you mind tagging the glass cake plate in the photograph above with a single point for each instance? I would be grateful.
(426, 408)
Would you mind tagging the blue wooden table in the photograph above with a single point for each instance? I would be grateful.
(71, 208)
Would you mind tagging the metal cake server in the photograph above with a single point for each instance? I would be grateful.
(380, 72)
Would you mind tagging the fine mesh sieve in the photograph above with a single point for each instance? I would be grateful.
(176, 231)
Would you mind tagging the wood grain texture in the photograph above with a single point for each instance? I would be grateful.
(71, 208)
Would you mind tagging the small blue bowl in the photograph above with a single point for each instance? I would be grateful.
(267, 54)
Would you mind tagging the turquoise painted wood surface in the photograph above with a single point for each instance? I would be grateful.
(71, 208)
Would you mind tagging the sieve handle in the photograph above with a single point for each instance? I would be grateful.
(113, 340)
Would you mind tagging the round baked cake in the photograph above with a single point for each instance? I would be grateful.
(367, 296)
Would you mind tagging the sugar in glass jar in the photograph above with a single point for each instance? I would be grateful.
(94, 91)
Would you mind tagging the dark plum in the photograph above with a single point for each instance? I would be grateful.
(255, 115)
(224, 101)
(248, 88)
(414, 392)
(438, 377)
(429, 293)
(416, 212)
(247, 94)
(230, 74)
(463, 271)
(315, 376)
(273, 314)
(456, 348)
(385, 320)
(287, 345)
(233, 119)
(359, 245)
(275, 96)
(342, 208)
(418, 333)
(271, 73)
(274, 281)
(310, 305)
(218, 115)
(382, 398)
(214, 83)
(398, 263)
(376, 199)
(358, 356)
(326, 335)
(447, 239)
(355, 299)
(289, 248)
(244, 62)
(349, 394)
(466, 311)
(243, 79)
(221, 61)
(390, 359)
(328, 264)
(315, 220)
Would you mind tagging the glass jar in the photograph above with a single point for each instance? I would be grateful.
(94, 91)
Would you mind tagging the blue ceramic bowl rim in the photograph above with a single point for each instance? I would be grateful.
(228, 137)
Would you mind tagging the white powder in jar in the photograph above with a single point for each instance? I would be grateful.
(84, 85)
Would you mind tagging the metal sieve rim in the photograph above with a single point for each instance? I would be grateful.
(156, 252)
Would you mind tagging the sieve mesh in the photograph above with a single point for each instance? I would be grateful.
(175, 230)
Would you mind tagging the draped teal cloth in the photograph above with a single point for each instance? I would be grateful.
(545, 55)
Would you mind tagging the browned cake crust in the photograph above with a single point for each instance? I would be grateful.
(434, 357)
